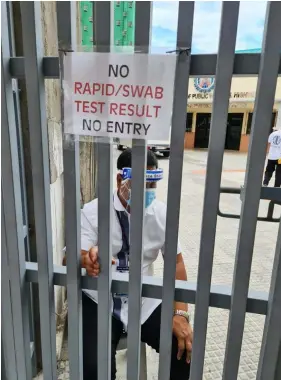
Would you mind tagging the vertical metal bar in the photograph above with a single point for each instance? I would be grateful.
(12, 209)
(22, 175)
(97, 47)
(66, 23)
(224, 70)
(105, 193)
(142, 40)
(278, 366)
(33, 52)
(3, 364)
(184, 39)
(270, 58)
(272, 330)
(8, 339)
(17, 113)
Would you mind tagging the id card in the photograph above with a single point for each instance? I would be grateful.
(121, 269)
(120, 295)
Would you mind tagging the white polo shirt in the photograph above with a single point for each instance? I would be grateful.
(153, 243)
(275, 145)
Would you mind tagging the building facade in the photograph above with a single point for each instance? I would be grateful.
(240, 112)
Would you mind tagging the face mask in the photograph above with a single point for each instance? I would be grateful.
(150, 195)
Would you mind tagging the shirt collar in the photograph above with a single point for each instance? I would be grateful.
(119, 207)
(117, 203)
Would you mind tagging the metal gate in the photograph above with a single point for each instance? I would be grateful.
(17, 273)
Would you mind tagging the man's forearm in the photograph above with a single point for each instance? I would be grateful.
(180, 275)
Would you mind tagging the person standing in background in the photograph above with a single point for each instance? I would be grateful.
(273, 159)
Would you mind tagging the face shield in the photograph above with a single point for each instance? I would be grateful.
(152, 177)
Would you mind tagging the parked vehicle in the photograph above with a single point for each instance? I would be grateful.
(157, 146)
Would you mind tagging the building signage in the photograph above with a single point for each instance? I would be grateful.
(119, 95)
(210, 105)
(232, 95)
(204, 85)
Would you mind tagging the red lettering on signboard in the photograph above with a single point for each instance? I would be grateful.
(144, 110)
(119, 99)
(124, 90)
(77, 87)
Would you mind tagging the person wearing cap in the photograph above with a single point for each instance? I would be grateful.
(273, 159)
(153, 244)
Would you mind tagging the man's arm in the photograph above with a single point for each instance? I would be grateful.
(180, 275)
(181, 326)
(269, 141)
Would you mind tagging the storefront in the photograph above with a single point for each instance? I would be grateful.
(240, 112)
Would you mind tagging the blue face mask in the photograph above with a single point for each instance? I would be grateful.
(150, 195)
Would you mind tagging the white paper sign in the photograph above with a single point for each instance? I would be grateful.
(119, 95)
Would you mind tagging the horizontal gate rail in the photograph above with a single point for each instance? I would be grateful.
(268, 193)
(220, 295)
(273, 194)
(200, 65)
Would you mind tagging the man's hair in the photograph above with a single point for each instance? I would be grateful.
(125, 159)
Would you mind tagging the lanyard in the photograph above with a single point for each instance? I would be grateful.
(125, 237)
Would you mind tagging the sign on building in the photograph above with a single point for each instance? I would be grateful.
(119, 95)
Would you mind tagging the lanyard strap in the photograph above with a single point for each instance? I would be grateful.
(124, 224)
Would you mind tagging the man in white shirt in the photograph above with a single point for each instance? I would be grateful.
(153, 243)
(274, 159)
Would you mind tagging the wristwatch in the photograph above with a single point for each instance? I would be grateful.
(183, 313)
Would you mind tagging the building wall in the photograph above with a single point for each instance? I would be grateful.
(52, 88)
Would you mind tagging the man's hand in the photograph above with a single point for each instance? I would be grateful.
(184, 334)
(90, 261)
